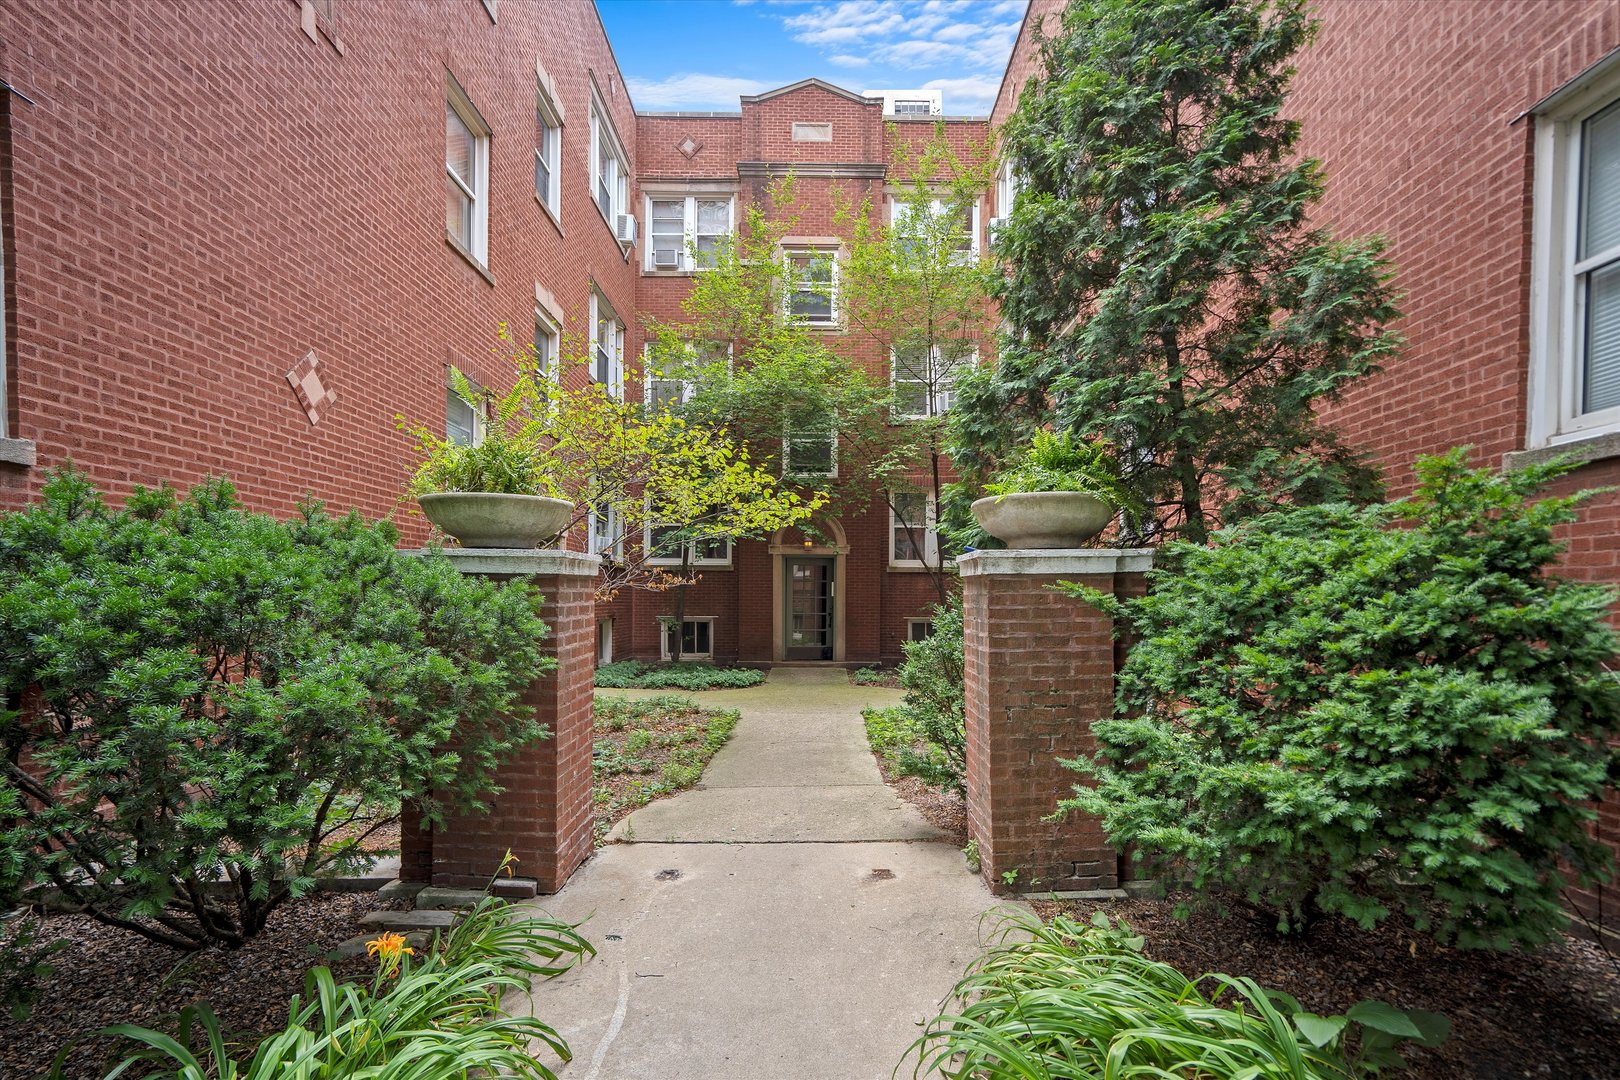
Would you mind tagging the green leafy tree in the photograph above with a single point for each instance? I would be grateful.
(212, 709)
(914, 286)
(1164, 290)
(1362, 711)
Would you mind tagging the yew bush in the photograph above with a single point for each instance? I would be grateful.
(1365, 711)
(210, 709)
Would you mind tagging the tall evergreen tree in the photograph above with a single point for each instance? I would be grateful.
(1164, 289)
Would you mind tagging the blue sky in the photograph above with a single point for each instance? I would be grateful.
(703, 54)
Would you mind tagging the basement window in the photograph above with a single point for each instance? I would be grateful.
(696, 638)
(919, 629)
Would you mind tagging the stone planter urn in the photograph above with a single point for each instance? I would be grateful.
(482, 519)
(1043, 519)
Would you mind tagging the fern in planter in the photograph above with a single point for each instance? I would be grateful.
(1057, 463)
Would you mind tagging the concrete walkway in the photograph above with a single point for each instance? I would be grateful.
(790, 919)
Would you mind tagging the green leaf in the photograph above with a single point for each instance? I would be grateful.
(1382, 1016)
(1320, 1030)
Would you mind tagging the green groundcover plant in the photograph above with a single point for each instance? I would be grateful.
(1070, 1000)
(211, 709)
(437, 1016)
(1363, 711)
(935, 707)
(636, 675)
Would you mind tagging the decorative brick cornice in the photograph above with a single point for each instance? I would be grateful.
(846, 170)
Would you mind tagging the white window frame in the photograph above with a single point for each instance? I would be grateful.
(546, 327)
(941, 392)
(477, 245)
(789, 438)
(549, 117)
(665, 622)
(811, 251)
(675, 560)
(618, 180)
(615, 347)
(1556, 366)
(615, 545)
(926, 110)
(604, 642)
(911, 629)
(929, 527)
(968, 254)
(684, 261)
(480, 422)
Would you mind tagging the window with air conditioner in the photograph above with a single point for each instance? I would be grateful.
(696, 638)
(610, 171)
(924, 377)
(812, 283)
(685, 232)
(606, 345)
(1575, 290)
(466, 166)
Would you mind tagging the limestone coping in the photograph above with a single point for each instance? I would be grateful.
(527, 562)
(1048, 561)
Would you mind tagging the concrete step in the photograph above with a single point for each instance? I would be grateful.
(400, 921)
(356, 946)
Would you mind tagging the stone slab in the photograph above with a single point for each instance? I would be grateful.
(424, 919)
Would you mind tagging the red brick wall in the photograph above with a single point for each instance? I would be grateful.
(1040, 668)
(202, 194)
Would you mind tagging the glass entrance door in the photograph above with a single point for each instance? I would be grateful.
(810, 609)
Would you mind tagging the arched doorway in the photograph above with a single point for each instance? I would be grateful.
(807, 594)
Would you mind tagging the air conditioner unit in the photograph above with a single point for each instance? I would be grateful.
(667, 258)
(624, 227)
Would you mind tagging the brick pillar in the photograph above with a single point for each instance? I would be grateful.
(544, 814)
(1040, 669)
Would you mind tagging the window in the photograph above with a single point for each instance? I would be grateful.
(1575, 317)
(463, 422)
(919, 629)
(664, 550)
(810, 452)
(604, 641)
(913, 540)
(466, 165)
(604, 531)
(670, 385)
(610, 171)
(812, 133)
(686, 233)
(813, 286)
(697, 638)
(924, 379)
(607, 346)
(548, 155)
(912, 108)
(547, 337)
(918, 223)
(1008, 183)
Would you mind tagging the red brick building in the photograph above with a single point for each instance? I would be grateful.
(223, 253)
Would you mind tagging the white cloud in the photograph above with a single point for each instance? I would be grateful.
(692, 90)
(845, 60)
(912, 35)
(971, 95)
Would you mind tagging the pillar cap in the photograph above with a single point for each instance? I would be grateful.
(529, 562)
(1049, 561)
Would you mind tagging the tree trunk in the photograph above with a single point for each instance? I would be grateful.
(1182, 465)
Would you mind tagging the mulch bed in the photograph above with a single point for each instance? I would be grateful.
(889, 678)
(1554, 1013)
(110, 976)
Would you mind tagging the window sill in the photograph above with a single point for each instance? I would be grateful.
(550, 213)
(1592, 448)
(472, 260)
(648, 271)
(17, 452)
(918, 568)
(664, 564)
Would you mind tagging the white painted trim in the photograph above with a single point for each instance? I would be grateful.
(664, 623)
(1055, 561)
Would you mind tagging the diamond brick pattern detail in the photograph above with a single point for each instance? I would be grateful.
(305, 379)
(689, 147)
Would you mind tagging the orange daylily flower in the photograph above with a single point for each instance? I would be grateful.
(389, 948)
